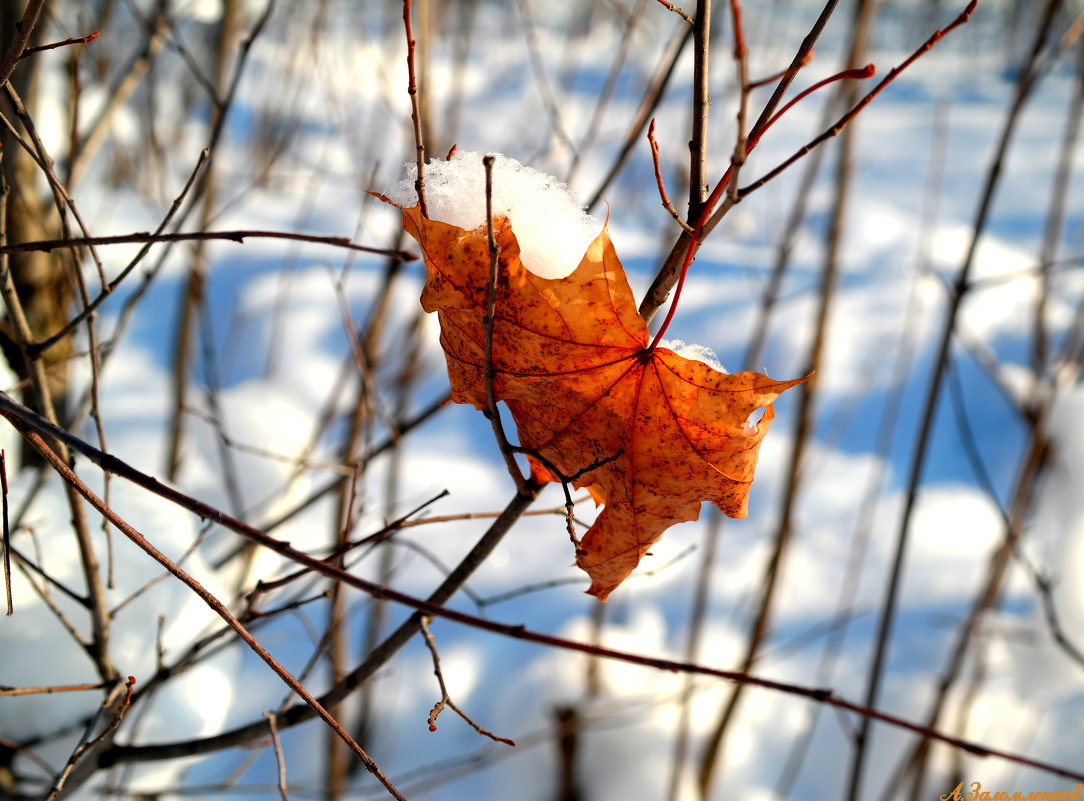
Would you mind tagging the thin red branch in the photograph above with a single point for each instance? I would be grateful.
(676, 10)
(861, 73)
(847, 118)
(710, 215)
(54, 45)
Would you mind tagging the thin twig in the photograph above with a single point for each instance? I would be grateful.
(55, 688)
(415, 111)
(280, 759)
(86, 743)
(89, 308)
(445, 698)
(30, 424)
(217, 606)
(666, 203)
(677, 11)
(7, 533)
(76, 40)
(48, 245)
(1024, 86)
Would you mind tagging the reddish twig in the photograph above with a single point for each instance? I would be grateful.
(778, 76)
(711, 215)
(676, 10)
(843, 121)
(666, 204)
(75, 40)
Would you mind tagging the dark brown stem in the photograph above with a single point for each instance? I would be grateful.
(23, 29)
(6, 544)
(415, 111)
(698, 156)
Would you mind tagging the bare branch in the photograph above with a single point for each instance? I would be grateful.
(445, 698)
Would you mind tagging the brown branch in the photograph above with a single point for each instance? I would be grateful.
(668, 274)
(49, 245)
(86, 743)
(698, 154)
(445, 698)
(30, 424)
(23, 29)
(415, 111)
(97, 649)
(208, 598)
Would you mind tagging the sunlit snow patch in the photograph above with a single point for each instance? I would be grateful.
(553, 231)
(689, 350)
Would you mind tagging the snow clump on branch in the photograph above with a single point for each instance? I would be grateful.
(553, 230)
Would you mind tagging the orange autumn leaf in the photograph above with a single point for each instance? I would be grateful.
(659, 432)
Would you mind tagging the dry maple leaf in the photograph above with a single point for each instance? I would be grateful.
(651, 434)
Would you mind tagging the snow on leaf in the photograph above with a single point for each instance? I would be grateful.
(651, 434)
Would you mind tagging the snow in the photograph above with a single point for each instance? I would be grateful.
(690, 350)
(552, 230)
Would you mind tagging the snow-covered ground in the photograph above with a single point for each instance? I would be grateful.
(923, 150)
